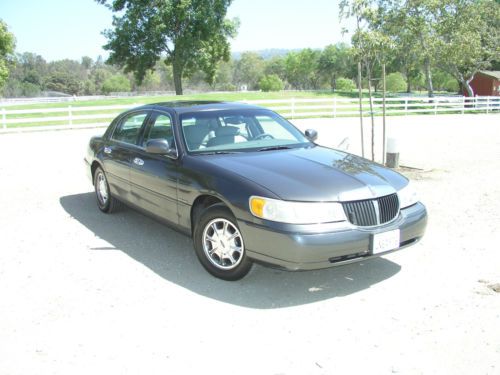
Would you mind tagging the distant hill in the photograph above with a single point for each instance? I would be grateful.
(267, 53)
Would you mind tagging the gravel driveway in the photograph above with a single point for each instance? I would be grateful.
(87, 293)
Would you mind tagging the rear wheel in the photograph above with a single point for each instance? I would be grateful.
(105, 200)
(219, 244)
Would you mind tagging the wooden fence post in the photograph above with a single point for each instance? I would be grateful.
(406, 106)
(70, 115)
(293, 108)
(487, 104)
(4, 119)
(463, 104)
(334, 107)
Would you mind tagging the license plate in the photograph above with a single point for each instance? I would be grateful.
(385, 241)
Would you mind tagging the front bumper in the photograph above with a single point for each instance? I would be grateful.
(295, 250)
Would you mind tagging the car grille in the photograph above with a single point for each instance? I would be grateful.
(372, 212)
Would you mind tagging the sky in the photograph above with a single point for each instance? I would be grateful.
(58, 29)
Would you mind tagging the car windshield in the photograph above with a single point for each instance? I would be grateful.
(239, 131)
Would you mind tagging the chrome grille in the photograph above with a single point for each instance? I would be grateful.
(372, 212)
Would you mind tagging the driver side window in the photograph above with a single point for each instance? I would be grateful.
(161, 129)
(128, 130)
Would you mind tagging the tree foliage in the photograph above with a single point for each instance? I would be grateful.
(468, 38)
(7, 45)
(271, 83)
(302, 69)
(459, 36)
(335, 61)
(193, 34)
(248, 70)
(116, 83)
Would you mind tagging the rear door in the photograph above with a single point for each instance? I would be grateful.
(118, 151)
(154, 177)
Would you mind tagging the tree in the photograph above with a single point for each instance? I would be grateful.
(87, 62)
(271, 83)
(468, 38)
(66, 76)
(224, 78)
(409, 24)
(249, 69)
(276, 66)
(116, 83)
(302, 69)
(335, 61)
(27, 76)
(407, 52)
(7, 45)
(371, 46)
(191, 33)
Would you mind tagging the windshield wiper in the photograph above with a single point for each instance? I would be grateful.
(272, 148)
(217, 152)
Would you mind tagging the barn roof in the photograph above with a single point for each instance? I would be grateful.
(491, 73)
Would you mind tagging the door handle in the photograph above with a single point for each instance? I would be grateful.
(138, 161)
(107, 150)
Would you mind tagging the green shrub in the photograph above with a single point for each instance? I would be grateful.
(395, 82)
(344, 84)
(116, 83)
(271, 83)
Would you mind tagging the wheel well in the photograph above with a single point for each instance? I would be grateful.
(93, 168)
(200, 204)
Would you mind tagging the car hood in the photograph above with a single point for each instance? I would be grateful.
(312, 174)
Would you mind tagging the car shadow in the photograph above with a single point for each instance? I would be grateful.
(170, 255)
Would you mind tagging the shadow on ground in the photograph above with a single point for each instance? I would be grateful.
(170, 255)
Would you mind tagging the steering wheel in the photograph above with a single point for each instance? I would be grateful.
(263, 135)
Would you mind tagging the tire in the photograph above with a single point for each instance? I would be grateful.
(105, 201)
(219, 244)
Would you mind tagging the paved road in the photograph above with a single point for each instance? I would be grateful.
(83, 292)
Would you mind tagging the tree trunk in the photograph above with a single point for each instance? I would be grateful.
(177, 69)
(466, 84)
(408, 80)
(369, 73)
(360, 88)
(428, 77)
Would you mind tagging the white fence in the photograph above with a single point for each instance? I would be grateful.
(94, 116)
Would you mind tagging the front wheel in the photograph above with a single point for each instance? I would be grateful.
(105, 201)
(219, 244)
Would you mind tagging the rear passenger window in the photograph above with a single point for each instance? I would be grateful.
(161, 129)
(128, 130)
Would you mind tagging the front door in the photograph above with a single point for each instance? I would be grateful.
(118, 152)
(154, 177)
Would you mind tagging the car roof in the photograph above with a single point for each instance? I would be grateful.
(199, 106)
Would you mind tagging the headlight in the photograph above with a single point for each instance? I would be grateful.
(407, 196)
(296, 212)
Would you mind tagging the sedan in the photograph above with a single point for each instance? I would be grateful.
(250, 187)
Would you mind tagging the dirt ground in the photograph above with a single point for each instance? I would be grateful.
(83, 292)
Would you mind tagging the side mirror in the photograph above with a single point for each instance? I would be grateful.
(311, 134)
(160, 147)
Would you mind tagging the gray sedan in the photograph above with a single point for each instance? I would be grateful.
(250, 187)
